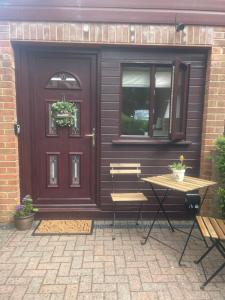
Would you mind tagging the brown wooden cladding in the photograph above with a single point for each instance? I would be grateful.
(154, 159)
(130, 11)
(204, 5)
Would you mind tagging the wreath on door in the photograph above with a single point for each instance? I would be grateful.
(63, 113)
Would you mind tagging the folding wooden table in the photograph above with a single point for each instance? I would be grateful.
(169, 183)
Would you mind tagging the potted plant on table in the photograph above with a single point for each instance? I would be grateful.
(24, 215)
(178, 169)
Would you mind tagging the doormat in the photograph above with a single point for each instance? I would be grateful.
(64, 227)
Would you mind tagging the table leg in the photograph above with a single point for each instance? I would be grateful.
(161, 205)
(156, 214)
(203, 199)
(189, 235)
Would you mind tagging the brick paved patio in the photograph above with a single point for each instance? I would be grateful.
(95, 267)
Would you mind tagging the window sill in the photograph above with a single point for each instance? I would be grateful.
(150, 142)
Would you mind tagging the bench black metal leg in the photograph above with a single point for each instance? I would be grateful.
(139, 213)
(216, 244)
(207, 251)
(150, 229)
(213, 275)
(185, 246)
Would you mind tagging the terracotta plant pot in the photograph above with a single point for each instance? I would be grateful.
(178, 175)
(24, 223)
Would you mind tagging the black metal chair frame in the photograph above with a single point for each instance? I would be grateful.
(215, 243)
(139, 213)
(218, 244)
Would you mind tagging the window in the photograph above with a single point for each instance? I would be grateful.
(154, 100)
(63, 80)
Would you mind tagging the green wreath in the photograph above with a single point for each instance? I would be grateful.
(63, 113)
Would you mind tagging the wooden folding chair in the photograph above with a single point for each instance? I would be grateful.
(117, 169)
(214, 229)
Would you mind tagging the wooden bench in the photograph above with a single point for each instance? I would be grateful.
(213, 229)
(117, 169)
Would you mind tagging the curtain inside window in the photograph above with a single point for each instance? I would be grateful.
(136, 77)
(140, 77)
(163, 79)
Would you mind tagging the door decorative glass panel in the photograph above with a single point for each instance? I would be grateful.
(51, 127)
(75, 169)
(53, 170)
(75, 130)
(63, 80)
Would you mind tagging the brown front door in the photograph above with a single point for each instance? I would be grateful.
(62, 159)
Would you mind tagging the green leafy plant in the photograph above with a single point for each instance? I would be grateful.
(132, 126)
(220, 164)
(221, 194)
(26, 208)
(63, 113)
(179, 165)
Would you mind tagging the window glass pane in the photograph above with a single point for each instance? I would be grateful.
(75, 170)
(75, 130)
(161, 118)
(135, 100)
(180, 99)
(52, 130)
(53, 170)
(63, 80)
(136, 77)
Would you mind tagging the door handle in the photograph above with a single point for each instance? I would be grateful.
(92, 135)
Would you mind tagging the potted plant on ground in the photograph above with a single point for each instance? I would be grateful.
(24, 215)
(178, 169)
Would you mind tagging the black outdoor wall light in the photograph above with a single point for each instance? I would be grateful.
(179, 27)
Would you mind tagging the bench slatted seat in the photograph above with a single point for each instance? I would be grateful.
(211, 227)
(214, 229)
(133, 197)
(123, 171)
(117, 169)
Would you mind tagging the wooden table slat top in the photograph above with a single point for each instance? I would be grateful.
(189, 183)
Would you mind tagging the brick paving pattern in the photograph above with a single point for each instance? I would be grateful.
(95, 267)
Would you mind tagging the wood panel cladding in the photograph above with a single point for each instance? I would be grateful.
(144, 11)
(154, 158)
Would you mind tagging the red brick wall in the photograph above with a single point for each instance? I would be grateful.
(214, 108)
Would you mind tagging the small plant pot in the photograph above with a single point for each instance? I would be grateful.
(178, 175)
(24, 223)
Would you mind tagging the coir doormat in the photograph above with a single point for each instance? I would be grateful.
(64, 227)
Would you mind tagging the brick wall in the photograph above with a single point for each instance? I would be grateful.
(214, 109)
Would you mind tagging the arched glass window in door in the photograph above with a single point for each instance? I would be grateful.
(63, 81)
